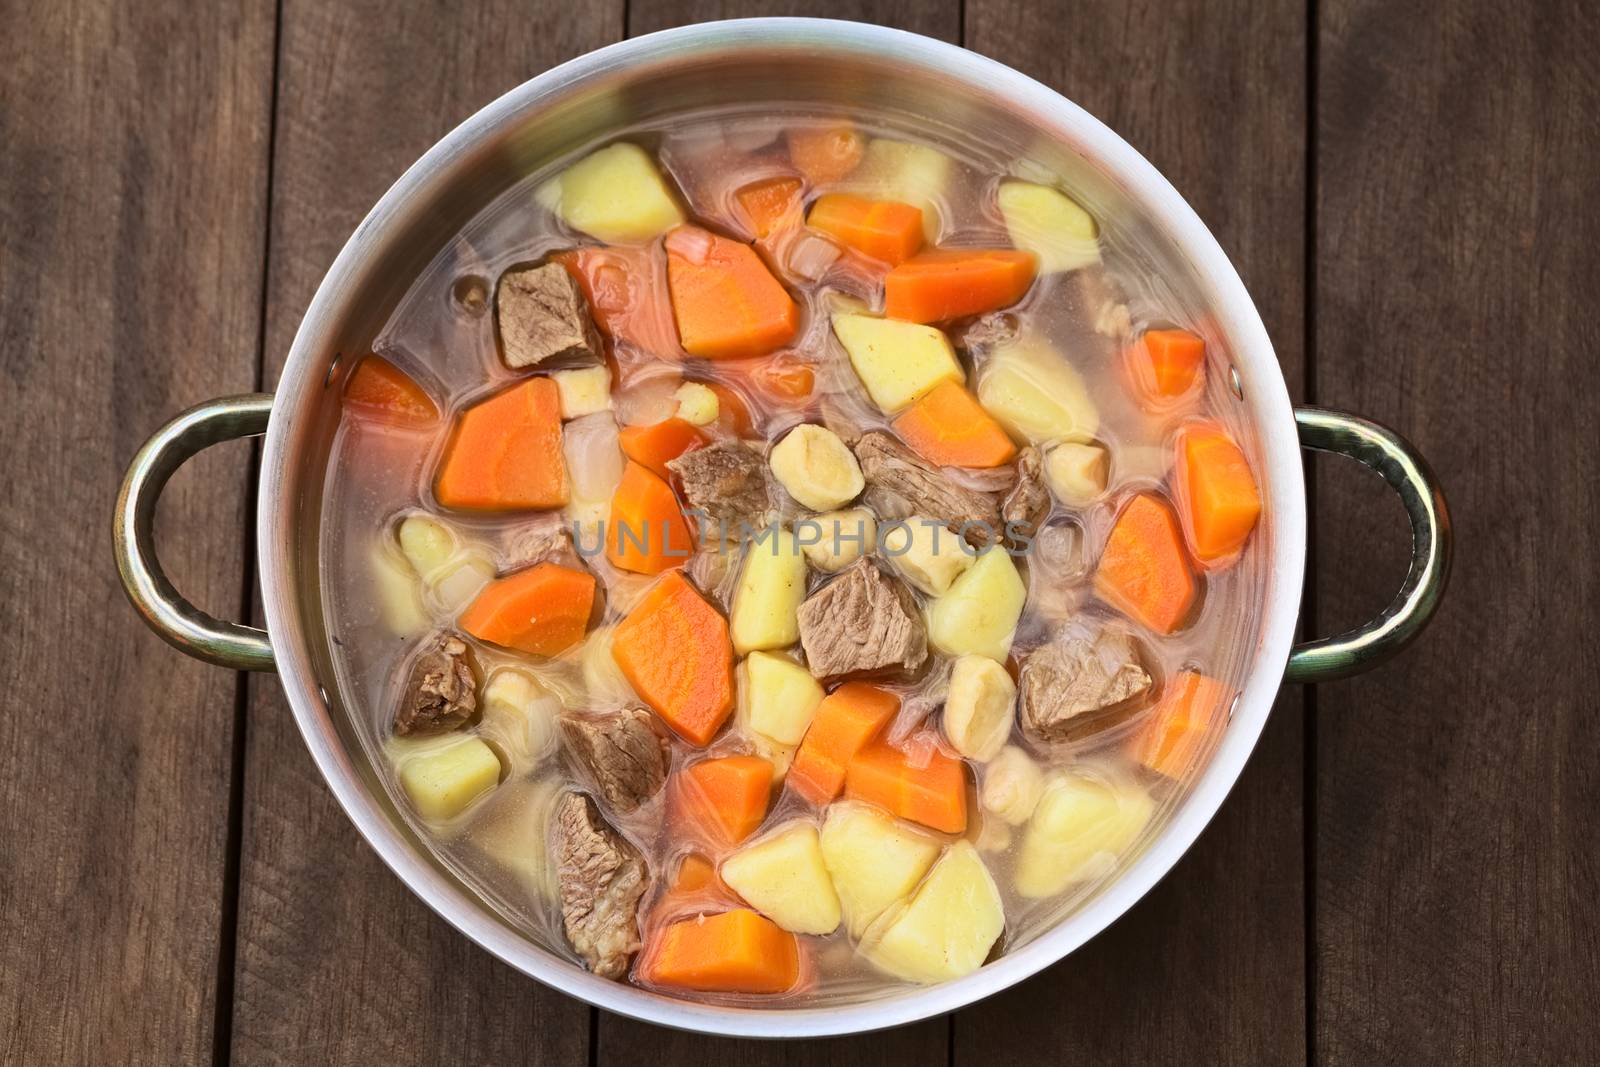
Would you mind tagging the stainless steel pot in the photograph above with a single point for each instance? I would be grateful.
(835, 65)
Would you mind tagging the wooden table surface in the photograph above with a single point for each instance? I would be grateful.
(1407, 871)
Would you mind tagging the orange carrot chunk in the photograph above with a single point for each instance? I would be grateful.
(386, 392)
(1166, 364)
(735, 952)
(886, 230)
(647, 532)
(826, 155)
(846, 720)
(952, 283)
(657, 445)
(1144, 571)
(1218, 493)
(949, 428)
(505, 454)
(674, 649)
(730, 794)
(770, 205)
(626, 290)
(543, 610)
(1171, 737)
(726, 302)
(932, 793)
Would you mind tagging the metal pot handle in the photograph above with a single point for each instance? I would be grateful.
(1407, 473)
(180, 623)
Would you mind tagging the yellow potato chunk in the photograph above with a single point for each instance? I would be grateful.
(514, 832)
(781, 695)
(519, 718)
(1077, 472)
(947, 928)
(583, 391)
(442, 783)
(835, 540)
(978, 616)
(927, 554)
(1086, 818)
(697, 404)
(897, 361)
(978, 707)
(452, 574)
(1011, 786)
(784, 878)
(876, 861)
(770, 749)
(767, 601)
(1049, 224)
(614, 195)
(816, 468)
(399, 596)
(1036, 393)
(428, 544)
(913, 174)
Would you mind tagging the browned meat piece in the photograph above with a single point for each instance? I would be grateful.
(1024, 508)
(900, 485)
(601, 878)
(442, 692)
(863, 620)
(1078, 685)
(626, 757)
(727, 481)
(542, 315)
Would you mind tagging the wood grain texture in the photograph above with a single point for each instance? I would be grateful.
(1457, 789)
(934, 18)
(337, 962)
(1209, 967)
(131, 213)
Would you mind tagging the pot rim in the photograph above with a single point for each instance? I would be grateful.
(1266, 398)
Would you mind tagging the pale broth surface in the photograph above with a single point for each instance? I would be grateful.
(444, 335)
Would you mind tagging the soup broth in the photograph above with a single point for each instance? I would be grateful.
(1057, 682)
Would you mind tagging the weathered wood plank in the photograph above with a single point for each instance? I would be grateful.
(132, 185)
(338, 963)
(1210, 966)
(935, 18)
(1457, 789)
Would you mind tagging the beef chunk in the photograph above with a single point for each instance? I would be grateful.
(543, 315)
(728, 482)
(900, 485)
(1024, 508)
(1079, 684)
(442, 692)
(626, 757)
(601, 878)
(863, 620)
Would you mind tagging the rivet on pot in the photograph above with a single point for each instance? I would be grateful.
(333, 369)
